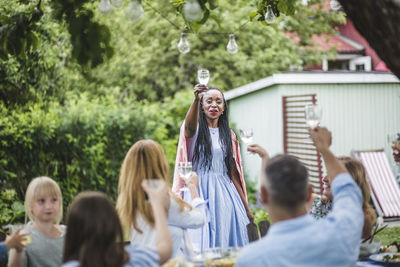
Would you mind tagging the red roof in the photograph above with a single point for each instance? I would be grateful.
(325, 42)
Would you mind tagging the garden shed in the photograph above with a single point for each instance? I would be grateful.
(360, 108)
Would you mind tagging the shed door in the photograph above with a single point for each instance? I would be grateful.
(296, 140)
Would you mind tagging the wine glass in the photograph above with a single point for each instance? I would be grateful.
(185, 171)
(203, 76)
(246, 136)
(313, 114)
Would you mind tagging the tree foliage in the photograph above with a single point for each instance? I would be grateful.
(78, 88)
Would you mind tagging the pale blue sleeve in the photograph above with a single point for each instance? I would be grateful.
(141, 256)
(347, 215)
(193, 218)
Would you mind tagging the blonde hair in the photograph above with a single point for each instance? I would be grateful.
(359, 174)
(41, 187)
(144, 160)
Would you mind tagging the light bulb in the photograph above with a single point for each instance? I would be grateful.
(183, 45)
(269, 15)
(192, 10)
(232, 46)
(117, 3)
(335, 5)
(105, 6)
(134, 11)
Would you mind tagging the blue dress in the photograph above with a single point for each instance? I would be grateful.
(227, 216)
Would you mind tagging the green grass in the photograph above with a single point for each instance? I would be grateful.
(389, 235)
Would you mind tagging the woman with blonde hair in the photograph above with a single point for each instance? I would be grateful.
(146, 160)
(323, 204)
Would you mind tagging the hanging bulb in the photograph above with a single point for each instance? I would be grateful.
(105, 6)
(232, 46)
(192, 10)
(183, 45)
(134, 11)
(269, 15)
(335, 5)
(117, 3)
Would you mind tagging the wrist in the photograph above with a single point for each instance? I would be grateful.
(323, 150)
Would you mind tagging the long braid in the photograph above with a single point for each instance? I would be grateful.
(203, 144)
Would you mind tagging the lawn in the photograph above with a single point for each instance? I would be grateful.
(389, 235)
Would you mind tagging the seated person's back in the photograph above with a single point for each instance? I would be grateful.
(294, 238)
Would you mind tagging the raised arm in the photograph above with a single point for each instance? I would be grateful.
(262, 153)
(192, 116)
(322, 139)
(160, 201)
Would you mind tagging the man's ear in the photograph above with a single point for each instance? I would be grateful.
(263, 195)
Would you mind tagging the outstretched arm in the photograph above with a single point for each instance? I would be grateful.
(322, 139)
(262, 152)
(192, 116)
(160, 200)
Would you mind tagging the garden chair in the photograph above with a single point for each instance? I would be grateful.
(385, 192)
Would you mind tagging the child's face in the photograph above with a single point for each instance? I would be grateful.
(46, 209)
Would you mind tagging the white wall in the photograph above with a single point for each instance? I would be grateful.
(359, 115)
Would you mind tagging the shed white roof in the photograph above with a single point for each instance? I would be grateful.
(312, 77)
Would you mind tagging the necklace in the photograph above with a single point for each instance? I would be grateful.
(213, 130)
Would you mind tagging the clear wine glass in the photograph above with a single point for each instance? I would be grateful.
(313, 115)
(246, 136)
(185, 171)
(203, 76)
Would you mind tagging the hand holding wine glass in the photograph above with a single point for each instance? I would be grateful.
(313, 115)
(185, 172)
(203, 76)
(246, 136)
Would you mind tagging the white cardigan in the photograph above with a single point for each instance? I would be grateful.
(178, 222)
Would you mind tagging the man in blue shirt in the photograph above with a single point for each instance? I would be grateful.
(295, 239)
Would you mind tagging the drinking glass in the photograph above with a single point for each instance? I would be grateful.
(313, 114)
(26, 230)
(203, 76)
(246, 136)
(185, 171)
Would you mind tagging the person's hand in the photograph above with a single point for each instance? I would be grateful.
(321, 137)
(193, 181)
(158, 195)
(250, 215)
(15, 240)
(255, 148)
(198, 89)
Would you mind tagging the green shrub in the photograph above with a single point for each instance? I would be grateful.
(81, 144)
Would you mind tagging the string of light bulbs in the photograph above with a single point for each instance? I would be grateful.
(191, 11)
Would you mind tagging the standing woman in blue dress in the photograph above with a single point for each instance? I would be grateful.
(211, 145)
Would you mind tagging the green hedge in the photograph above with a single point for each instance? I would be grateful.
(81, 143)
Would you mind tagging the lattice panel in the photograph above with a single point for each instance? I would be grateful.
(296, 140)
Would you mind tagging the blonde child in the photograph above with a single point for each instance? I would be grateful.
(43, 206)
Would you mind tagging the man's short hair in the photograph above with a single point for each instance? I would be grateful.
(286, 181)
